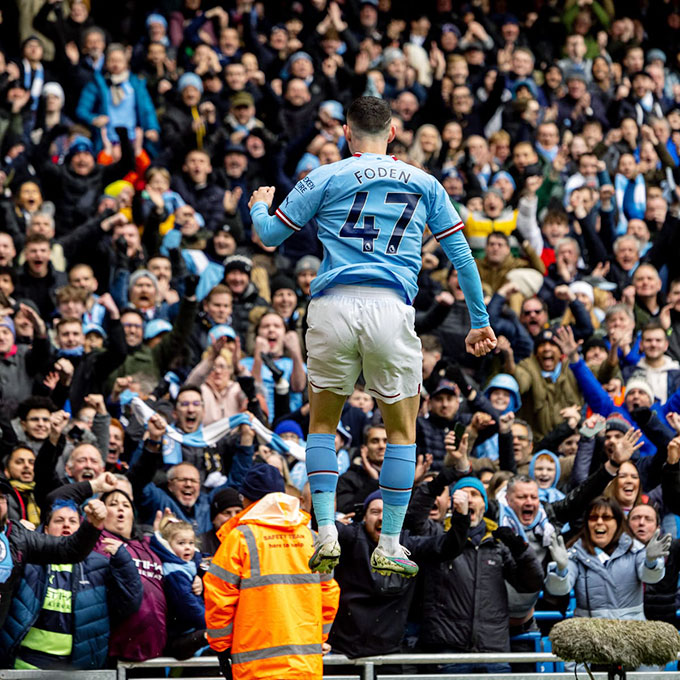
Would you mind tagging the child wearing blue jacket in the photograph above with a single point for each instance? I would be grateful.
(175, 545)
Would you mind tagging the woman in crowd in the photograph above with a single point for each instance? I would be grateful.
(222, 395)
(606, 566)
(626, 489)
(142, 634)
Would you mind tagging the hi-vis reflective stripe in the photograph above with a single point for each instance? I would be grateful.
(224, 574)
(271, 652)
(327, 628)
(447, 232)
(286, 220)
(220, 632)
(279, 579)
(252, 549)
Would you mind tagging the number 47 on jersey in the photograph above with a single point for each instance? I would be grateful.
(367, 231)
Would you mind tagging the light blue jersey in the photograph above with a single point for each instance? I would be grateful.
(371, 210)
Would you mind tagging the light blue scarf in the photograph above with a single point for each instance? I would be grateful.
(540, 526)
(554, 374)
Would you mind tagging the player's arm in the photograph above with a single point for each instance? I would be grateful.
(447, 227)
(458, 251)
(481, 339)
(270, 228)
(297, 208)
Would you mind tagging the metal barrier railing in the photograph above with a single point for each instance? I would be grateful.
(367, 666)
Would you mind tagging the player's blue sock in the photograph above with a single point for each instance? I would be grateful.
(322, 471)
(396, 481)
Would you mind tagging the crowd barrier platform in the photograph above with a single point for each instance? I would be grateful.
(367, 668)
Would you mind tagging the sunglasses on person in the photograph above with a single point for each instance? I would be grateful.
(606, 517)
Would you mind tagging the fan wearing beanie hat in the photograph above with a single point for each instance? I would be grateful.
(290, 428)
(260, 481)
(616, 423)
(284, 297)
(306, 269)
(189, 79)
(7, 336)
(478, 501)
(639, 393)
(143, 289)
(238, 263)
(225, 504)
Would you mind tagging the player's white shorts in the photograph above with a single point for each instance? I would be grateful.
(355, 328)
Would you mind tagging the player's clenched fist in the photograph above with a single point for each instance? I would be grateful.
(480, 341)
(265, 194)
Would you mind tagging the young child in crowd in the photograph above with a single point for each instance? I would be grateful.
(545, 469)
(175, 545)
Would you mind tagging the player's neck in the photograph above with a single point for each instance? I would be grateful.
(367, 146)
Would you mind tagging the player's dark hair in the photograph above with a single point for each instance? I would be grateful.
(369, 115)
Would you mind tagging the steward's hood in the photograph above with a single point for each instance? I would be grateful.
(275, 509)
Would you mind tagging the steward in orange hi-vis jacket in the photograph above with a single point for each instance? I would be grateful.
(262, 603)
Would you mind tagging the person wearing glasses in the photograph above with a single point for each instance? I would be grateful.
(191, 484)
(606, 566)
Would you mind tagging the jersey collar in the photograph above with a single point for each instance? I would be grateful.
(358, 154)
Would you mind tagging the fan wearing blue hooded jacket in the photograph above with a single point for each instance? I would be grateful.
(504, 396)
(545, 469)
(61, 615)
(175, 545)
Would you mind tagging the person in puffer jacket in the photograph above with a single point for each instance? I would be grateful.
(544, 468)
(175, 545)
(61, 615)
(606, 566)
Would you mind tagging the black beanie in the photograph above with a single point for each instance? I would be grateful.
(261, 480)
(223, 499)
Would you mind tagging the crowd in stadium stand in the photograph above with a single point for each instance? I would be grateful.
(132, 135)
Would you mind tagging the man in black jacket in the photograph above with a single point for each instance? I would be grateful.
(198, 189)
(91, 369)
(38, 280)
(465, 605)
(245, 295)
(75, 186)
(445, 413)
(20, 546)
(373, 608)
